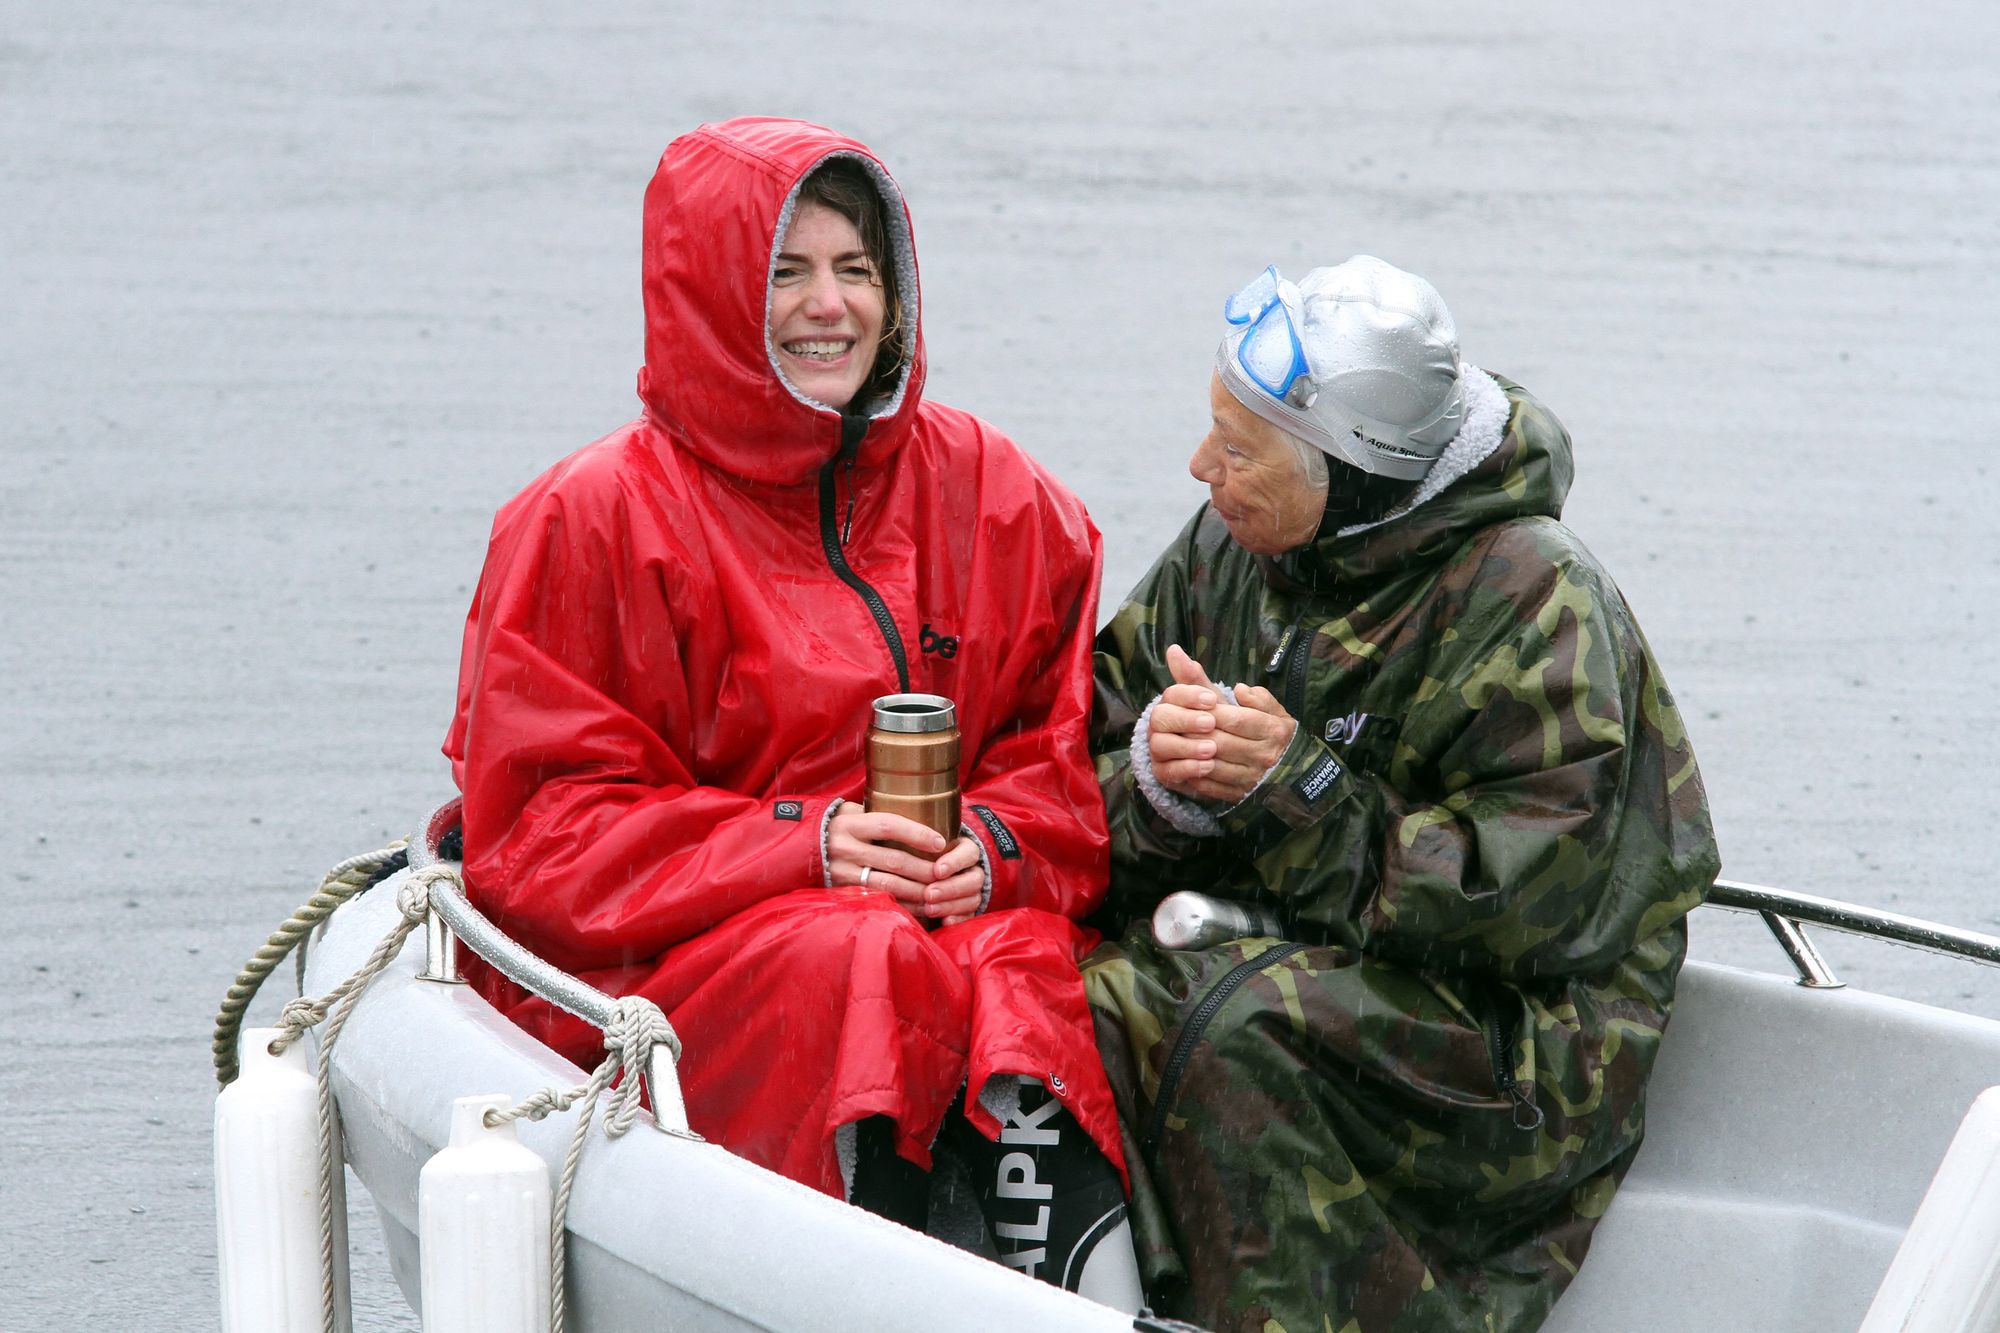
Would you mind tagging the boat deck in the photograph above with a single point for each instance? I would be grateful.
(1791, 1133)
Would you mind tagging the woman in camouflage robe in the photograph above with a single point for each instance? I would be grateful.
(1450, 769)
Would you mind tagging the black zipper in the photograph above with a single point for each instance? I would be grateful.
(1295, 677)
(1197, 1023)
(1287, 668)
(1527, 1115)
(830, 541)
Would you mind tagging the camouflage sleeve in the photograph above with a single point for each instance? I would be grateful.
(1149, 856)
(1561, 822)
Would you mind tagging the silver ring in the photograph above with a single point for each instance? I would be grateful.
(866, 871)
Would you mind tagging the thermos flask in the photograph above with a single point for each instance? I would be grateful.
(913, 762)
(1189, 920)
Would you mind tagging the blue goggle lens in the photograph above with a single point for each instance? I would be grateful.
(1254, 299)
(1270, 352)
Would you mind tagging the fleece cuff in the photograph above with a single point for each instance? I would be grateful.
(825, 832)
(985, 867)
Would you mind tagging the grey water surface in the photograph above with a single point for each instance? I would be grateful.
(293, 296)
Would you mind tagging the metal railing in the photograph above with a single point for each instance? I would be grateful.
(1787, 914)
(453, 920)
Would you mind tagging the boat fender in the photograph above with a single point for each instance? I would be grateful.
(267, 1195)
(1945, 1277)
(483, 1227)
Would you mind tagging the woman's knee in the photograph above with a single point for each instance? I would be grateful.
(875, 943)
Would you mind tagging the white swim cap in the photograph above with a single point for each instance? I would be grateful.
(1380, 384)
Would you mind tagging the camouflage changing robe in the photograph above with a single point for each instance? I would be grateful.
(1483, 842)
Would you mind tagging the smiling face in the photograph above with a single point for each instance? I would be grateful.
(827, 307)
(1254, 477)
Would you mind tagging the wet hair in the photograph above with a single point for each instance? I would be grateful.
(843, 185)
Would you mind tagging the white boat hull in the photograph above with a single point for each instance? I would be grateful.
(665, 1232)
(1791, 1134)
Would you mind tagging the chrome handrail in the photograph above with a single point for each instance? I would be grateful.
(1787, 913)
(453, 920)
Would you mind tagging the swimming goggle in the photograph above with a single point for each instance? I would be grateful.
(1270, 351)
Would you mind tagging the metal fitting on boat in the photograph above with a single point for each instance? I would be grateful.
(426, 850)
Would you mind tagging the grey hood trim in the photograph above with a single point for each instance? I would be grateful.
(903, 252)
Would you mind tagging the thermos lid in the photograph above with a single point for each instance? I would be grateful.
(914, 713)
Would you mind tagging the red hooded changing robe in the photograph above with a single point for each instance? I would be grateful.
(666, 680)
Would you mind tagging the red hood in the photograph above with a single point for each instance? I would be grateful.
(713, 214)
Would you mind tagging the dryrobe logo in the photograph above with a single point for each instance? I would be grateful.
(792, 810)
(1015, 1179)
(944, 645)
(1345, 730)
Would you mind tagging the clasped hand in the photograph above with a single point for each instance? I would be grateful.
(945, 890)
(1205, 747)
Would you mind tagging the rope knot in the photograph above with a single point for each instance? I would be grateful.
(295, 1018)
(636, 1026)
(414, 898)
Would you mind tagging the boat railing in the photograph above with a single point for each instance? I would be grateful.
(1787, 914)
(452, 920)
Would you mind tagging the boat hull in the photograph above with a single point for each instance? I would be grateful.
(665, 1232)
(1791, 1134)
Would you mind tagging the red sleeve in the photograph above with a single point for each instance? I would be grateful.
(586, 835)
(1032, 799)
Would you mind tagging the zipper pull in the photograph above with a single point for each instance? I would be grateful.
(1527, 1115)
(853, 426)
(1284, 645)
(847, 526)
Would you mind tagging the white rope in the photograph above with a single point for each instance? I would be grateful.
(636, 1026)
(413, 901)
(342, 882)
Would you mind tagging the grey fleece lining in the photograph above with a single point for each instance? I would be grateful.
(1001, 1097)
(901, 249)
(985, 870)
(846, 1151)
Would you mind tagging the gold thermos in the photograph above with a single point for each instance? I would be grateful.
(913, 762)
